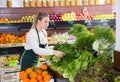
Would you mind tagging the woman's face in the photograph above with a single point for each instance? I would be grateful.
(44, 23)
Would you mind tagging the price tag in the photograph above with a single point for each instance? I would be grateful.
(88, 22)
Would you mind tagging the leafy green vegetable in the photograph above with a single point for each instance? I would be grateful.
(76, 29)
(85, 42)
(80, 55)
(106, 33)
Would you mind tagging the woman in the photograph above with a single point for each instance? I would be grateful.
(36, 42)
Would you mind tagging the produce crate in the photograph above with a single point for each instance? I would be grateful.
(9, 77)
(9, 69)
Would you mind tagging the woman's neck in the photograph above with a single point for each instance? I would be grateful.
(38, 28)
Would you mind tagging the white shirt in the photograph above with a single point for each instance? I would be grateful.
(32, 42)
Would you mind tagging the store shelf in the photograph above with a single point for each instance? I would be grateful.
(58, 24)
(19, 28)
(10, 69)
(11, 50)
(9, 26)
(15, 26)
(88, 23)
(65, 24)
(12, 45)
(102, 22)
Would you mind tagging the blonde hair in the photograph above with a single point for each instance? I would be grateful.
(39, 16)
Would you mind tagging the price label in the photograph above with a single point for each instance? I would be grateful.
(88, 22)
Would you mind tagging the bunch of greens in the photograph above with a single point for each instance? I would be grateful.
(64, 65)
(70, 51)
(80, 55)
(78, 30)
(85, 42)
(73, 61)
(104, 40)
(106, 33)
(84, 39)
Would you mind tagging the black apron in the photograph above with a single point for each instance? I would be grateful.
(29, 58)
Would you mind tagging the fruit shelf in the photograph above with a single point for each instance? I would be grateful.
(103, 22)
(14, 26)
(11, 50)
(88, 23)
(58, 24)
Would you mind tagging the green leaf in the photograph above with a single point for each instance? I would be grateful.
(77, 28)
(106, 33)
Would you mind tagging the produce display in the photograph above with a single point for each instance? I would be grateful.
(23, 19)
(83, 54)
(36, 74)
(12, 60)
(88, 54)
(9, 77)
(70, 16)
(100, 72)
(9, 68)
(89, 49)
(59, 38)
(11, 40)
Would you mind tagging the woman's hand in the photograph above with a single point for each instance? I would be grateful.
(58, 54)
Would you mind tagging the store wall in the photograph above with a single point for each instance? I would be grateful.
(118, 26)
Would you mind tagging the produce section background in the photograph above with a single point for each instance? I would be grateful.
(19, 3)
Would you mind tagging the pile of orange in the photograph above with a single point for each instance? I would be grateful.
(23, 38)
(11, 38)
(36, 74)
(4, 20)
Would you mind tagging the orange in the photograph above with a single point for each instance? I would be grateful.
(33, 80)
(33, 75)
(39, 77)
(38, 71)
(44, 66)
(45, 73)
(29, 70)
(26, 80)
(41, 81)
(22, 75)
(47, 78)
